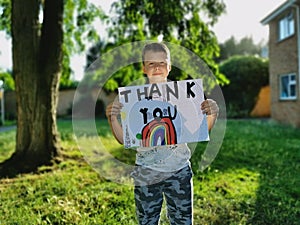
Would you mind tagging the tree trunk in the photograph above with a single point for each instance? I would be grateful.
(37, 63)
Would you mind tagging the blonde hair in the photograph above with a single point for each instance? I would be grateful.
(156, 47)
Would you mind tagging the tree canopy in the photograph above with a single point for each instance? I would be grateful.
(186, 23)
(78, 25)
(245, 46)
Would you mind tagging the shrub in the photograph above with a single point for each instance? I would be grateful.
(247, 74)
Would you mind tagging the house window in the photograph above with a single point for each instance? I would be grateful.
(286, 26)
(288, 87)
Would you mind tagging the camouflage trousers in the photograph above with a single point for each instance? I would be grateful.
(152, 187)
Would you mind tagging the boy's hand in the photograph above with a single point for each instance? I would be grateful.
(209, 107)
(113, 110)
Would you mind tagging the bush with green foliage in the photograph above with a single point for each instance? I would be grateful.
(247, 74)
(8, 81)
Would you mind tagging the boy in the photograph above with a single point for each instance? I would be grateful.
(161, 171)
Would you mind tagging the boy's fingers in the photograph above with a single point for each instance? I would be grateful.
(114, 109)
(209, 107)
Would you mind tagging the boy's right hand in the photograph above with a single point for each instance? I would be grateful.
(113, 110)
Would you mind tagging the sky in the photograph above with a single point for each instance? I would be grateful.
(242, 19)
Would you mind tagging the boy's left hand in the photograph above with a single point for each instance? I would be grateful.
(209, 107)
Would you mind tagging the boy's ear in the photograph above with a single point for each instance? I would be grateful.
(170, 67)
(144, 69)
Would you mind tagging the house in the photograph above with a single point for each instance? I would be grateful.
(284, 67)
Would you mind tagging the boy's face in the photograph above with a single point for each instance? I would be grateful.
(156, 66)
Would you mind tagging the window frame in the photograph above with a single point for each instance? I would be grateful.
(292, 81)
(286, 26)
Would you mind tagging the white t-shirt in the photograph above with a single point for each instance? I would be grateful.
(167, 158)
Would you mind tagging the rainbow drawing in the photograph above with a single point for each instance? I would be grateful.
(159, 131)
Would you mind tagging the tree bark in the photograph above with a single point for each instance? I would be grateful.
(37, 64)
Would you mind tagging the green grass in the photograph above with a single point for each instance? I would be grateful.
(253, 180)
(7, 144)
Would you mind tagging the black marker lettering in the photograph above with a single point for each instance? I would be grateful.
(125, 93)
(189, 92)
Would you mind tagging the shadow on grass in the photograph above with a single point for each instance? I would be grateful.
(254, 179)
(264, 153)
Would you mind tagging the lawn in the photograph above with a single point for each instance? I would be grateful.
(253, 180)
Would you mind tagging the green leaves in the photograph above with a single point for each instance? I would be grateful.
(247, 74)
(179, 22)
(79, 27)
(79, 18)
(8, 81)
(5, 21)
(233, 47)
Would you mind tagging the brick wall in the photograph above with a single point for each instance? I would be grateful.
(283, 60)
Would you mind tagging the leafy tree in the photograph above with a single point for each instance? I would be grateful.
(228, 49)
(44, 35)
(232, 47)
(247, 74)
(8, 81)
(179, 22)
(246, 46)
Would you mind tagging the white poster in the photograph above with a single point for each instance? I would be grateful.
(163, 114)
